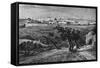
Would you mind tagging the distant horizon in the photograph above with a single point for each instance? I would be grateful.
(38, 11)
(66, 19)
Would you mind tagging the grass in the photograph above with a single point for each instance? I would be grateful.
(37, 32)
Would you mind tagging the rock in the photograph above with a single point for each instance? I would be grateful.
(90, 38)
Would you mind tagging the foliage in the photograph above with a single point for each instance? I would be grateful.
(56, 39)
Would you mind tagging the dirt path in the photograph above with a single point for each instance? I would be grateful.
(83, 52)
(87, 55)
(44, 54)
(81, 55)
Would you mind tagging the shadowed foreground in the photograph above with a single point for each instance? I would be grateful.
(59, 56)
(56, 44)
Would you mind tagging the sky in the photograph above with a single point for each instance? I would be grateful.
(40, 11)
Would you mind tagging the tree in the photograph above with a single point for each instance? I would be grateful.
(70, 34)
(29, 19)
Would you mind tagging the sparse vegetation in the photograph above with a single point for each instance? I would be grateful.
(55, 37)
